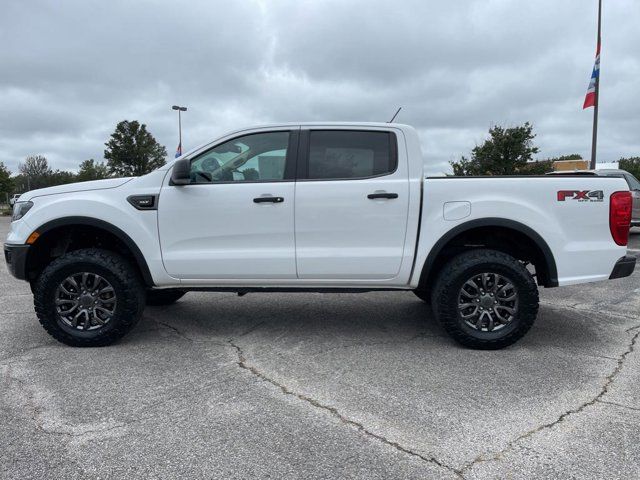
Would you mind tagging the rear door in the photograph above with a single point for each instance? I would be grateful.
(351, 204)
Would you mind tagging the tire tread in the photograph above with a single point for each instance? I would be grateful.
(116, 264)
(445, 290)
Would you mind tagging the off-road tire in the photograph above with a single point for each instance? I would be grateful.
(126, 282)
(450, 281)
(164, 297)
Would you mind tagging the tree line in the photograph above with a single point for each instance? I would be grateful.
(130, 151)
(509, 151)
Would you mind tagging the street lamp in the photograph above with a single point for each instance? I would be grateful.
(180, 110)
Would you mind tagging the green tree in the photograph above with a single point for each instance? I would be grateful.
(631, 165)
(537, 167)
(132, 150)
(572, 156)
(36, 172)
(92, 170)
(506, 152)
(60, 177)
(6, 183)
(541, 167)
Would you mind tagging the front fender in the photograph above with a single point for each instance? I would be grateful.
(136, 228)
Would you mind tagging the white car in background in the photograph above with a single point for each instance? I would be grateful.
(13, 199)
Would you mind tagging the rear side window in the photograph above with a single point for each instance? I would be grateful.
(348, 154)
(632, 181)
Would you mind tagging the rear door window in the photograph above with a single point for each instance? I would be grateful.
(350, 154)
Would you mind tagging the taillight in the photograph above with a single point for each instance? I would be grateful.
(620, 216)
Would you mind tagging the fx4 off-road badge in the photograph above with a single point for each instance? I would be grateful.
(581, 195)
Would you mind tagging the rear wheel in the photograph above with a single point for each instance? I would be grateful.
(485, 299)
(164, 297)
(88, 298)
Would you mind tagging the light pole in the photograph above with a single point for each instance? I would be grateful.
(180, 110)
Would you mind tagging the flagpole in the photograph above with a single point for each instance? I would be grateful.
(594, 138)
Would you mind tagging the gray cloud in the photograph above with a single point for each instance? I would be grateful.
(71, 70)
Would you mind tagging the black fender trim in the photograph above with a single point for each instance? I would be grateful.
(623, 267)
(550, 262)
(94, 222)
(16, 257)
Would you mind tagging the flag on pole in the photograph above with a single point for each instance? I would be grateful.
(179, 150)
(590, 98)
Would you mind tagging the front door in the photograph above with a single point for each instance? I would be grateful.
(352, 200)
(235, 220)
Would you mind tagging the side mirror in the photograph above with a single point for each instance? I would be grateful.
(181, 174)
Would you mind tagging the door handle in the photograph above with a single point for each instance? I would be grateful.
(373, 196)
(268, 200)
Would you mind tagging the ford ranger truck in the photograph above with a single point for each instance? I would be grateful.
(322, 207)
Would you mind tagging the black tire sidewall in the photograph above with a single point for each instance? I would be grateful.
(453, 277)
(129, 303)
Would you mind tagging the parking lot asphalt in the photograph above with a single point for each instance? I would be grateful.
(324, 386)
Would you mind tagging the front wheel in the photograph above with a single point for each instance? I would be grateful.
(89, 298)
(485, 299)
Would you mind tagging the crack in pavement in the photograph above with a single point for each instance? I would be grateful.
(242, 363)
(417, 336)
(203, 339)
(38, 413)
(47, 421)
(252, 329)
(616, 404)
(605, 388)
(588, 310)
(605, 357)
(4, 360)
(173, 329)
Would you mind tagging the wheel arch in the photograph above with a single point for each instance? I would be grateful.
(47, 229)
(542, 256)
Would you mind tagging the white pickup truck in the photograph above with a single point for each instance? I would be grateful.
(329, 207)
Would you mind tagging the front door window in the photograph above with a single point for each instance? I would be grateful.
(251, 158)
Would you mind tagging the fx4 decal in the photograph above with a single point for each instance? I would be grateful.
(581, 195)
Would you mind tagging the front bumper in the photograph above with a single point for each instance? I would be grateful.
(623, 267)
(16, 258)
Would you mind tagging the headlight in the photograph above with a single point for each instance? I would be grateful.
(20, 209)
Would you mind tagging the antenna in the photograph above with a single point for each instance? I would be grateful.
(395, 115)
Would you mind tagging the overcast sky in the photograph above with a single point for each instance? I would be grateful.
(70, 70)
